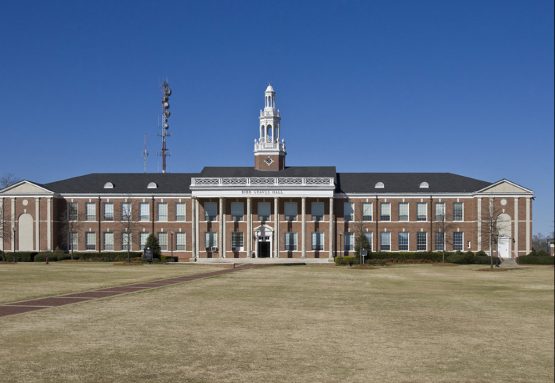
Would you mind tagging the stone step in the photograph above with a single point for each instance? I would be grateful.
(508, 262)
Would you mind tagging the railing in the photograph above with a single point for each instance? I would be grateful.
(261, 181)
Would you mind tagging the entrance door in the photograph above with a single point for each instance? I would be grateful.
(263, 249)
(504, 247)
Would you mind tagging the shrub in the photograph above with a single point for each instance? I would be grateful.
(346, 260)
(535, 260)
(169, 258)
(106, 256)
(20, 256)
(539, 253)
(406, 257)
(152, 242)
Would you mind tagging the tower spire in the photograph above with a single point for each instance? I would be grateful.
(166, 93)
(269, 152)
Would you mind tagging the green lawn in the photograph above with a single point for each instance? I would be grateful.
(413, 323)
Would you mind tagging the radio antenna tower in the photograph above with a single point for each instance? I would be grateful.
(166, 93)
(145, 156)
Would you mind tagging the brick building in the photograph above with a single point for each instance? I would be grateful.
(269, 210)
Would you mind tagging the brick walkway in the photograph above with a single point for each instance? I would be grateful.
(61, 300)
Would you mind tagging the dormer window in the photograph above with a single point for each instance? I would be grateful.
(379, 185)
(108, 185)
(152, 185)
(424, 185)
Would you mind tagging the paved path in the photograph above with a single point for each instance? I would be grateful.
(61, 300)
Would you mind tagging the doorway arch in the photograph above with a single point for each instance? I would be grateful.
(25, 232)
(504, 235)
(264, 238)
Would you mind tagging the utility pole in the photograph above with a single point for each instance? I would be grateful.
(166, 93)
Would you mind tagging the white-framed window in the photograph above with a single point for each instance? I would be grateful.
(458, 211)
(317, 210)
(108, 241)
(180, 241)
(142, 238)
(290, 210)
(385, 211)
(421, 241)
(90, 240)
(403, 211)
(291, 241)
(318, 241)
(108, 211)
(348, 211)
(91, 211)
(403, 239)
(370, 238)
(210, 211)
(385, 241)
(237, 210)
(211, 239)
(163, 240)
(145, 211)
(440, 241)
(421, 211)
(440, 211)
(237, 240)
(367, 211)
(73, 241)
(126, 212)
(349, 242)
(264, 211)
(163, 212)
(126, 241)
(458, 241)
(180, 212)
(72, 212)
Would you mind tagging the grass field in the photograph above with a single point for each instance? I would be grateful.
(410, 323)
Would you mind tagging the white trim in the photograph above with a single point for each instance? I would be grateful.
(49, 224)
(13, 224)
(2, 223)
(303, 227)
(37, 222)
(3, 191)
(479, 224)
(504, 180)
(528, 225)
(515, 234)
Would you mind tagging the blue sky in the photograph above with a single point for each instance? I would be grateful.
(387, 86)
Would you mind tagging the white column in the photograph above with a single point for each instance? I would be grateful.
(249, 228)
(197, 224)
(2, 224)
(303, 226)
(515, 230)
(49, 224)
(331, 236)
(37, 222)
(193, 228)
(12, 231)
(276, 228)
(528, 225)
(222, 228)
(478, 225)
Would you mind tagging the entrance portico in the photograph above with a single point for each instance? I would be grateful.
(264, 239)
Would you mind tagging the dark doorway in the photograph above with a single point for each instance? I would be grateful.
(263, 249)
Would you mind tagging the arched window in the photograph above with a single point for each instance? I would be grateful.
(108, 185)
(152, 185)
(379, 185)
(424, 185)
(268, 133)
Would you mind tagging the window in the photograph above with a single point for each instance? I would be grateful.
(367, 211)
(237, 211)
(90, 241)
(403, 239)
(291, 241)
(369, 238)
(424, 185)
(108, 211)
(403, 211)
(91, 211)
(108, 241)
(210, 211)
(72, 211)
(290, 211)
(349, 242)
(179, 241)
(163, 240)
(440, 211)
(379, 185)
(457, 241)
(73, 241)
(211, 239)
(317, 209)
(421, 241)
(126, 241)
(180, 212)
(145, 212)
(457, 211)
(237, 241)
(126, 212)
(348, 211)
(264, 211)
(163, 212)
(317, 241)
(152, 185)
(440, 241)
(385, 211)
(385, 241)
(143, 237)
(108, 185)
(421, 211)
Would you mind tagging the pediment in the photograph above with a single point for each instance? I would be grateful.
(505, 187)
(25, 188)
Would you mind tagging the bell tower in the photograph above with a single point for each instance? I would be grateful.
(269, 152)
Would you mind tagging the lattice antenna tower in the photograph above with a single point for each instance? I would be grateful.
(145, 155)
(166, 93)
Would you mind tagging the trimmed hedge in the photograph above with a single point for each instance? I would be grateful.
(382, 258)
(535, 260)
(169, 258)
(346, 260)
(86, 256)
(20, 256)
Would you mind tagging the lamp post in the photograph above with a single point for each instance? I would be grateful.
(171, 244)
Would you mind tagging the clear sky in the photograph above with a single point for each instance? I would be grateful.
(457, 86)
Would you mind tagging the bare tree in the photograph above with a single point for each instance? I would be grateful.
(70, 223)
(5, 227)
(128, 225)
(493, 226)
(361, 241)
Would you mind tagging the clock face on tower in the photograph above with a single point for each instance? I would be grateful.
(269, 161)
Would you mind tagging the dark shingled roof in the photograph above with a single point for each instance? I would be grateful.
(293, 171)
(407, 183)
(124, 183)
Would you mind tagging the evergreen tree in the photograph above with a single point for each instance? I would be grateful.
(152, 242)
